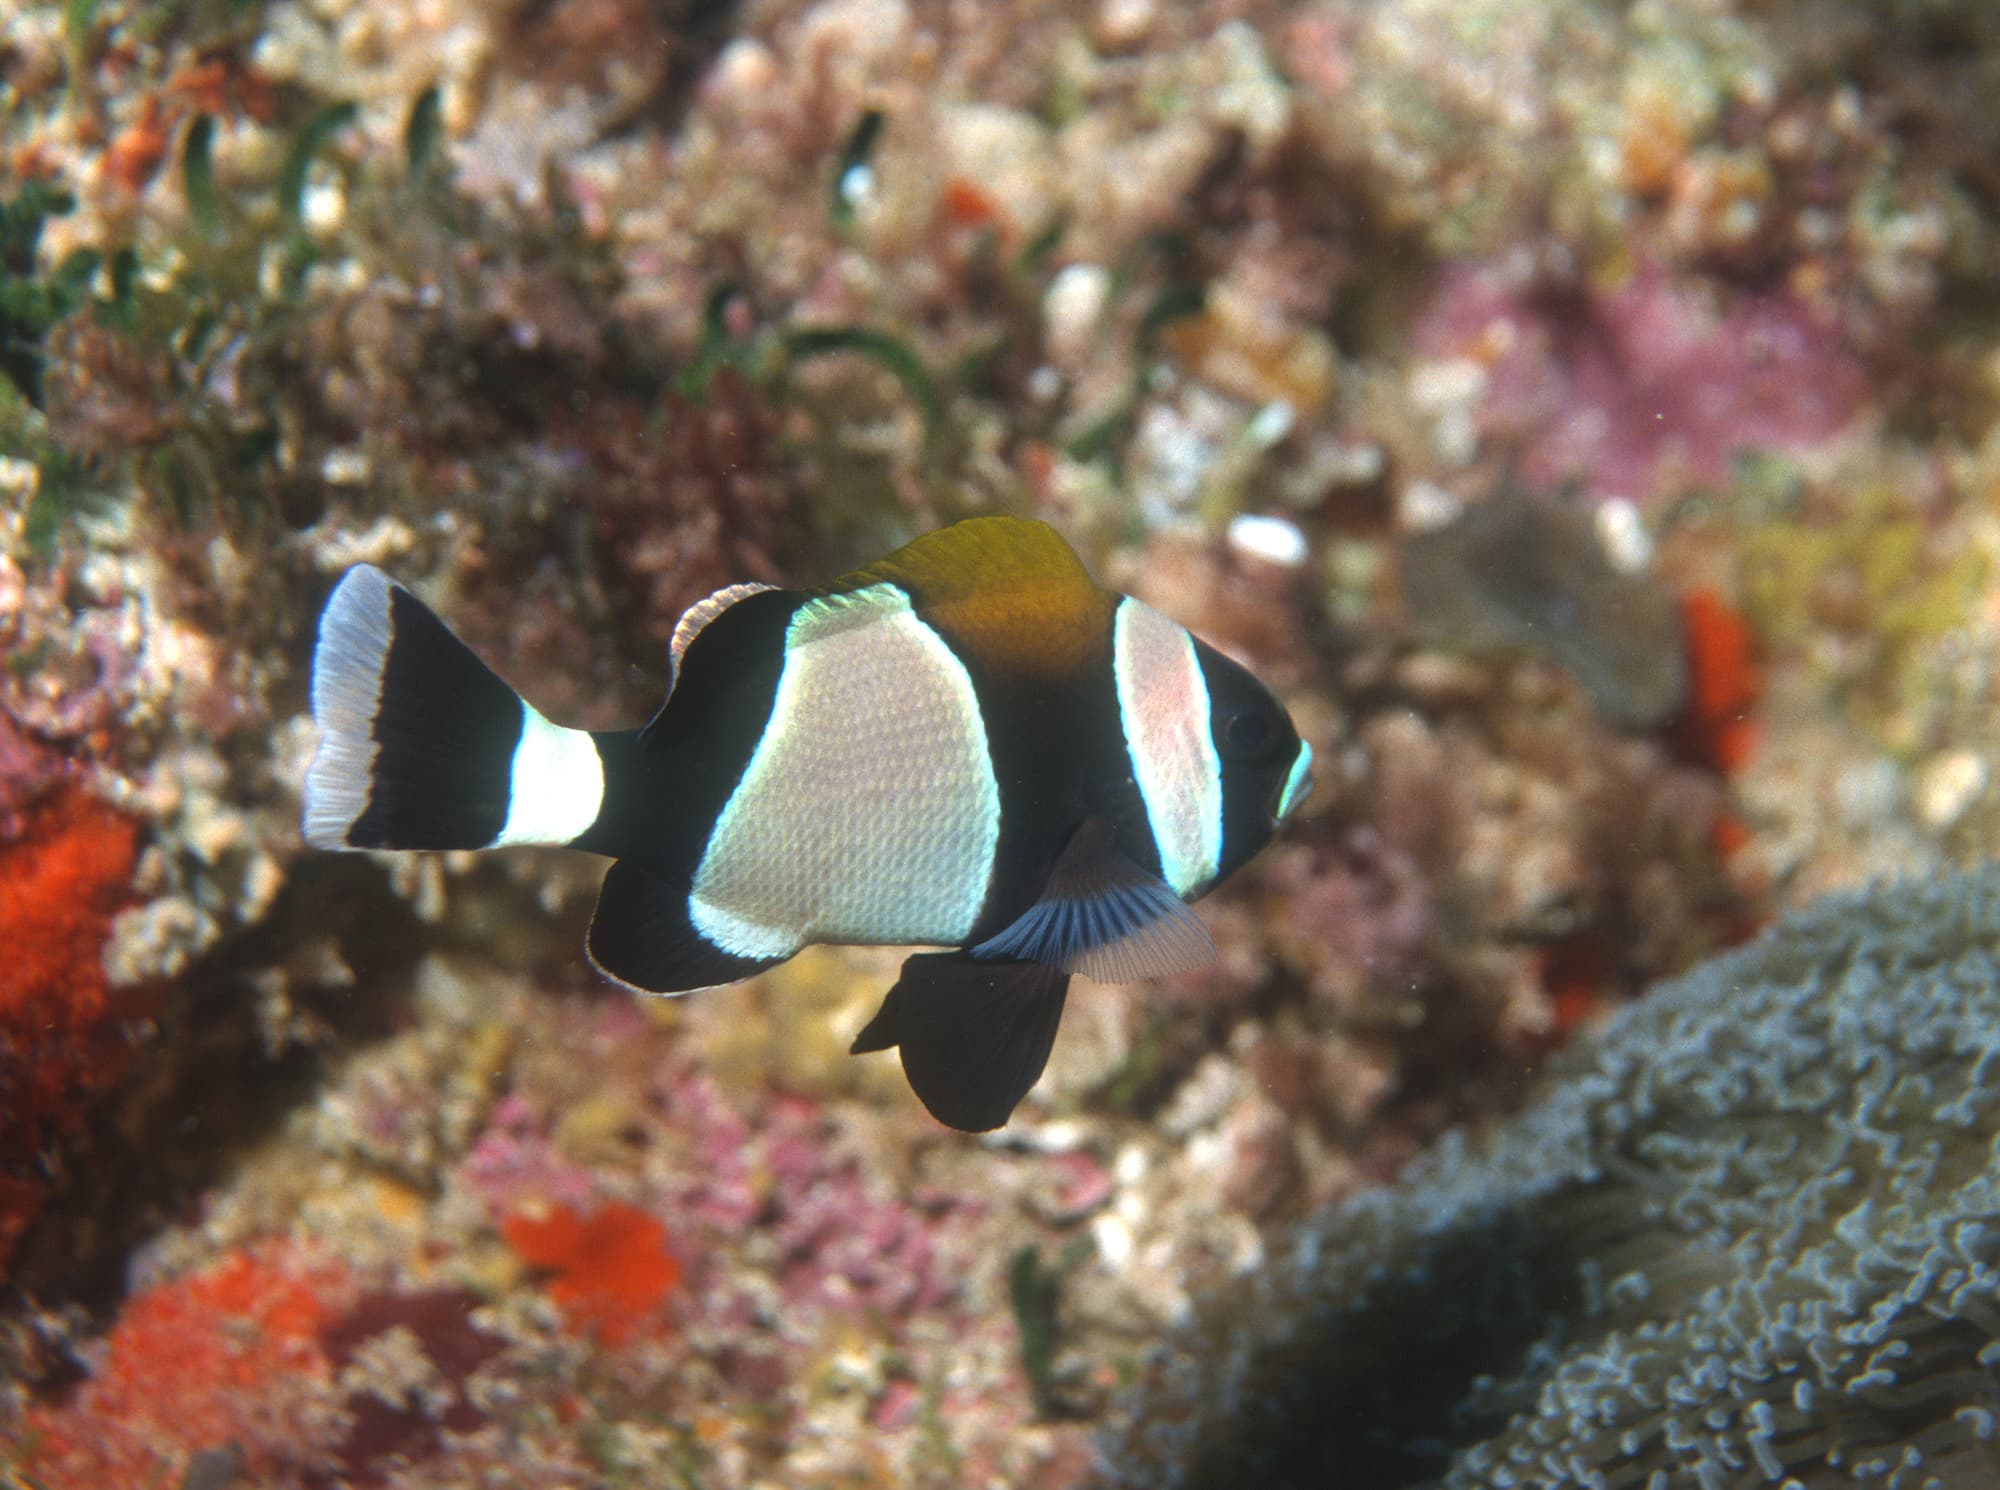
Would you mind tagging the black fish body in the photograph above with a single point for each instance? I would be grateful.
(967, 744)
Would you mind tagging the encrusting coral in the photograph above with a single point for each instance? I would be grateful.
(174, 1376)
(611, 1268)
(61, 1038)
(1749, 1236)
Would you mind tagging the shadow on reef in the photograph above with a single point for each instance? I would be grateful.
(211, 1085)
(1394, 1387)
(1748, 1236)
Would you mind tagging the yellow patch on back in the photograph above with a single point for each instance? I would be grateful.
(1006, 592)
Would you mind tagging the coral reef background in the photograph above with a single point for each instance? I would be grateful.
(1587, 414)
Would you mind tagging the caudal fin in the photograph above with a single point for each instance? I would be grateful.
(421, 744)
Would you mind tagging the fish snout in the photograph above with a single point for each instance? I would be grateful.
(1298, 783)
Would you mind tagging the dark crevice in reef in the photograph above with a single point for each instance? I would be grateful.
(700, 29)
(1391, 1394)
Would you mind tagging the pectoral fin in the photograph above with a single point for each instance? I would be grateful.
(974, 1032)
(1103, 916)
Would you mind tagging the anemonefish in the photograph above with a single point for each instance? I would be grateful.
(967, 744)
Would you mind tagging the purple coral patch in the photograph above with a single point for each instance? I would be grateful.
(384, 1422)
(1638, 388)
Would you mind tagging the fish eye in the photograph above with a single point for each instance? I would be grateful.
(1249, 736)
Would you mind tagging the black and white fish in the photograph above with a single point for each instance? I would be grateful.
(966, 744)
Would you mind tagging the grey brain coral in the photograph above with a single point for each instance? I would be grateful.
(1749, 1236)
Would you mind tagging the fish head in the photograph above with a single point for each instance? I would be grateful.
(1216, 760)
(1265, 767)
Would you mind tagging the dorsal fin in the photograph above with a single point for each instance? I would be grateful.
(1006, 592)
(716, 644)
(696, 617)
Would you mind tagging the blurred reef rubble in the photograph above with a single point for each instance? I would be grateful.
(1586, 414)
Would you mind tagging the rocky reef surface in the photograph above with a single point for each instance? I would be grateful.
(1586, 414)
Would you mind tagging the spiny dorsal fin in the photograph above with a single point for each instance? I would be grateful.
(697, 616)
(720, 646)
(1007, 592)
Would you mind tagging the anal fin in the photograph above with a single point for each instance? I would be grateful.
(974, 1033)
(641, 936)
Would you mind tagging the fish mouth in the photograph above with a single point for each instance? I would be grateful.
(1298, 784)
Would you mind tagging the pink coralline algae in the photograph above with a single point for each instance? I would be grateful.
(27, 769)
(842, 1238)
(1349, 913)
(515, 1163)
(1644, 387)
(843, 1243)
